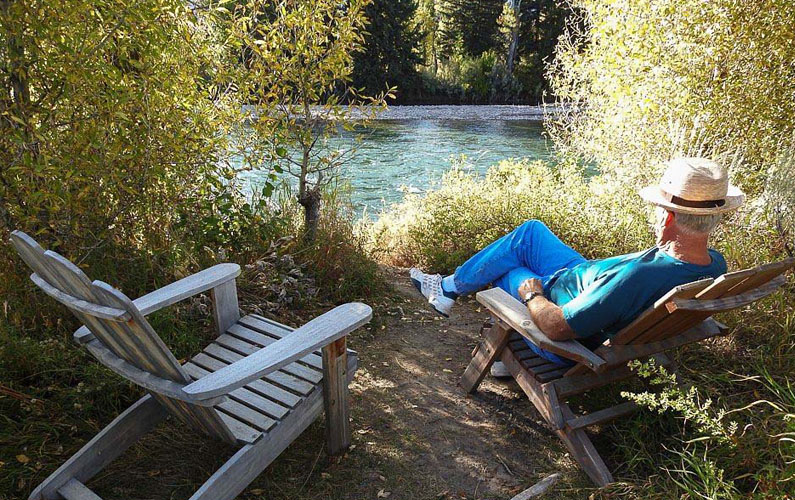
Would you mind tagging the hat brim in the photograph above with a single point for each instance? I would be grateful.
(734, 199)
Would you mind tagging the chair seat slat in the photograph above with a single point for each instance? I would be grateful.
(260, 386)
(244, 395)
(309, 367)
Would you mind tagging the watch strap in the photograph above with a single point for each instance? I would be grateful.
(530, 296)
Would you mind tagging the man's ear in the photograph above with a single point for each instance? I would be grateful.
(669, 218)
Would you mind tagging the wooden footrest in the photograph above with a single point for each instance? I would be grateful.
(602, 416)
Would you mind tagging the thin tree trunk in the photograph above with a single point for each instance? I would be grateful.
(308, 196)
(17, 103)
(514, 45)
(311, 203)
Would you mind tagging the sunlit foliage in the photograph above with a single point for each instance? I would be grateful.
(107, 118)
(299, 58)
(648, 78)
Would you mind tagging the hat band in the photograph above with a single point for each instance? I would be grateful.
(692, 203)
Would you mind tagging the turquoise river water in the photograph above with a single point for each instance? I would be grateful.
(393, 157)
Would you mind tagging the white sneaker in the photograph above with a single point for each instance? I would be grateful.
(430, 286)
(499, 370)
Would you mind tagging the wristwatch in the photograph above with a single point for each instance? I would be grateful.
(530, 296)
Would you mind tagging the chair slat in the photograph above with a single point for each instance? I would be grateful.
(259, 340)
(269, 327)
(138, 335)
(243, 395)
(295, 369)
(207, 420)
(680, 321)
(729, 301)
(33, 255)
(247, 415)
(241, 431)
(261, 387)
(764, 274)
(658, 312)
(281, 378)
(96, 310)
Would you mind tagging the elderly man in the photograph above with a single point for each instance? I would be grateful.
(591, 300)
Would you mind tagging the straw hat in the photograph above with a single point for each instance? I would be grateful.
(694, 186)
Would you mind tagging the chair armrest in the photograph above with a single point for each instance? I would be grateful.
(177, 291)
(319, 332)
(509, 310)
(187, 287)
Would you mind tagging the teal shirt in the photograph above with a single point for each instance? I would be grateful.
(600, 297)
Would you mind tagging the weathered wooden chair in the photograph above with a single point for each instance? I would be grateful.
(682, 316)
(257, 386)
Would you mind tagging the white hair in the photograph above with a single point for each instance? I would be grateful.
(698, 224)
(692, 223)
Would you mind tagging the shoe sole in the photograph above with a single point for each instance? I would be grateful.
(418, 286)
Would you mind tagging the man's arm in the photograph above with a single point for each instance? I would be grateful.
(547, 316)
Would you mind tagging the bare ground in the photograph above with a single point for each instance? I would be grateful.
(416, 435)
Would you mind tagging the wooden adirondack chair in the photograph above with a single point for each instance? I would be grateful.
(682, 316)
(257, 386)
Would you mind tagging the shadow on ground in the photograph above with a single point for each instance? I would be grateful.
(416, 435)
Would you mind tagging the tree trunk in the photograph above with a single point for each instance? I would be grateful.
(310, 200)
(514, 45)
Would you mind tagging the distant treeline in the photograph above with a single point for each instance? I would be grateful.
(459, 51)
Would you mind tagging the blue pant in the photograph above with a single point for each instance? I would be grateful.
(529, 251)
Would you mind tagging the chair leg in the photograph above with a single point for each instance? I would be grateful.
(111, 442)
(583, 450)
(335, 397)
(489, 351)
(547, 401)
(250, 460)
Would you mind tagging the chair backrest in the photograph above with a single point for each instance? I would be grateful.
(687, 305)
(118, 325)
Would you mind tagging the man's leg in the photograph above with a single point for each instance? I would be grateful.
(532, 246)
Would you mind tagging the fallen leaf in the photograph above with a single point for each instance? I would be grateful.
(23, 459)
(257, 492)
(447, 370)
(325, 475)
(384, 494)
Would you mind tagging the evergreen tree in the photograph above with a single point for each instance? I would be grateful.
(467, 27)
(391, 49)
(542, 23)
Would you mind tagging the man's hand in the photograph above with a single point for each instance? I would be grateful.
(546, 315)
(531, 285)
